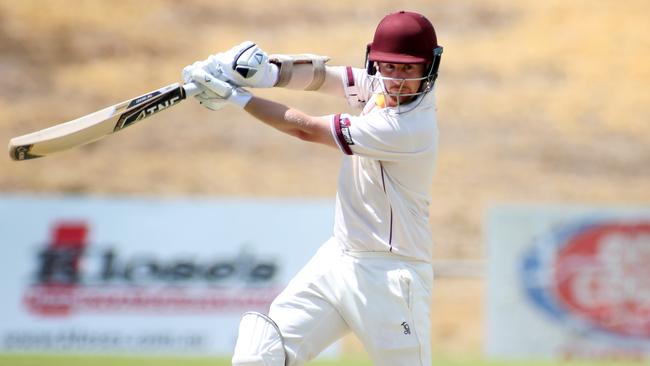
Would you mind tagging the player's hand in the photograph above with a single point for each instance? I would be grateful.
(215, 93)
(211, 100)
(246, 65)
(206, 97)
(243, 65)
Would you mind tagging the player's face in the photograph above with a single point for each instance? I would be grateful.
(401, 72)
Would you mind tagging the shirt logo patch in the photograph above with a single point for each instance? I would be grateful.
(345, 130)
(407, 329)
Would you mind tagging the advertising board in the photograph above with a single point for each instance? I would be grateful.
(568, 283)
(137, 275)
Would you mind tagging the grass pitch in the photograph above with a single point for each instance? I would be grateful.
(42, 360)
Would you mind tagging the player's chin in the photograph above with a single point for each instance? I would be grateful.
(398, 91)
(402, 98)
(394, 101)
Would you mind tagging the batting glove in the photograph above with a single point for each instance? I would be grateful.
(205, 97)
(243, 65)
(218, 91)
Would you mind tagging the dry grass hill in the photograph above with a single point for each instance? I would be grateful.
(539, 101)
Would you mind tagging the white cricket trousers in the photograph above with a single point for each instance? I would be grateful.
(382, 298)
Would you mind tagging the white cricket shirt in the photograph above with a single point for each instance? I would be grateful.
(382, 202)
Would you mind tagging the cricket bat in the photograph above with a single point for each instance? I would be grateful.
(99, 124)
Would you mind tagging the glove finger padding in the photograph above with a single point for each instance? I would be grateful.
(212, 84)
(220, 88)
(214, 93)
(187, 70)
(210, 100)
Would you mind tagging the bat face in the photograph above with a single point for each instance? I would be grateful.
(96, 125)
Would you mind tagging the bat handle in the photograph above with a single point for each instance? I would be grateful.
(191, 89)
(220, 86)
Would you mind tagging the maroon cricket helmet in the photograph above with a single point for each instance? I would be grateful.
(403, 38)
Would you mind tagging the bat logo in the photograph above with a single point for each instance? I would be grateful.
(153, 105)
(143, 99)
(156, 108)
(22, 153)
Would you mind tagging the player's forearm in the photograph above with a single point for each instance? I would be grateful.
(291, 121)
(274, 115)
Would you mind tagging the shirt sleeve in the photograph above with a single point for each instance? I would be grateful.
(356, 86)
(380, 137)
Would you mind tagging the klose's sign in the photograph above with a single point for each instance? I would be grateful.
(145, 276)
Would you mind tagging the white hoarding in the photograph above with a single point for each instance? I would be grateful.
(118, 275)
(568, 283)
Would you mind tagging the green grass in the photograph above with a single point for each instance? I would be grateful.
(42, 360)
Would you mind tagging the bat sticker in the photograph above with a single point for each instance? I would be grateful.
(152, 106)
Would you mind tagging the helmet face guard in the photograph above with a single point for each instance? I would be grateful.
(427, 80)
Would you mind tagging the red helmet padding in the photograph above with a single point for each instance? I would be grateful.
(403, 38)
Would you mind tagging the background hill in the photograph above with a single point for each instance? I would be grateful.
(538, 102)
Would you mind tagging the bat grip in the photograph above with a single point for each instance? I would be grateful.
(191, 89)
(218, 86)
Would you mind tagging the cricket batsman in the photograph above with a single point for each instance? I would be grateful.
(374, 275)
